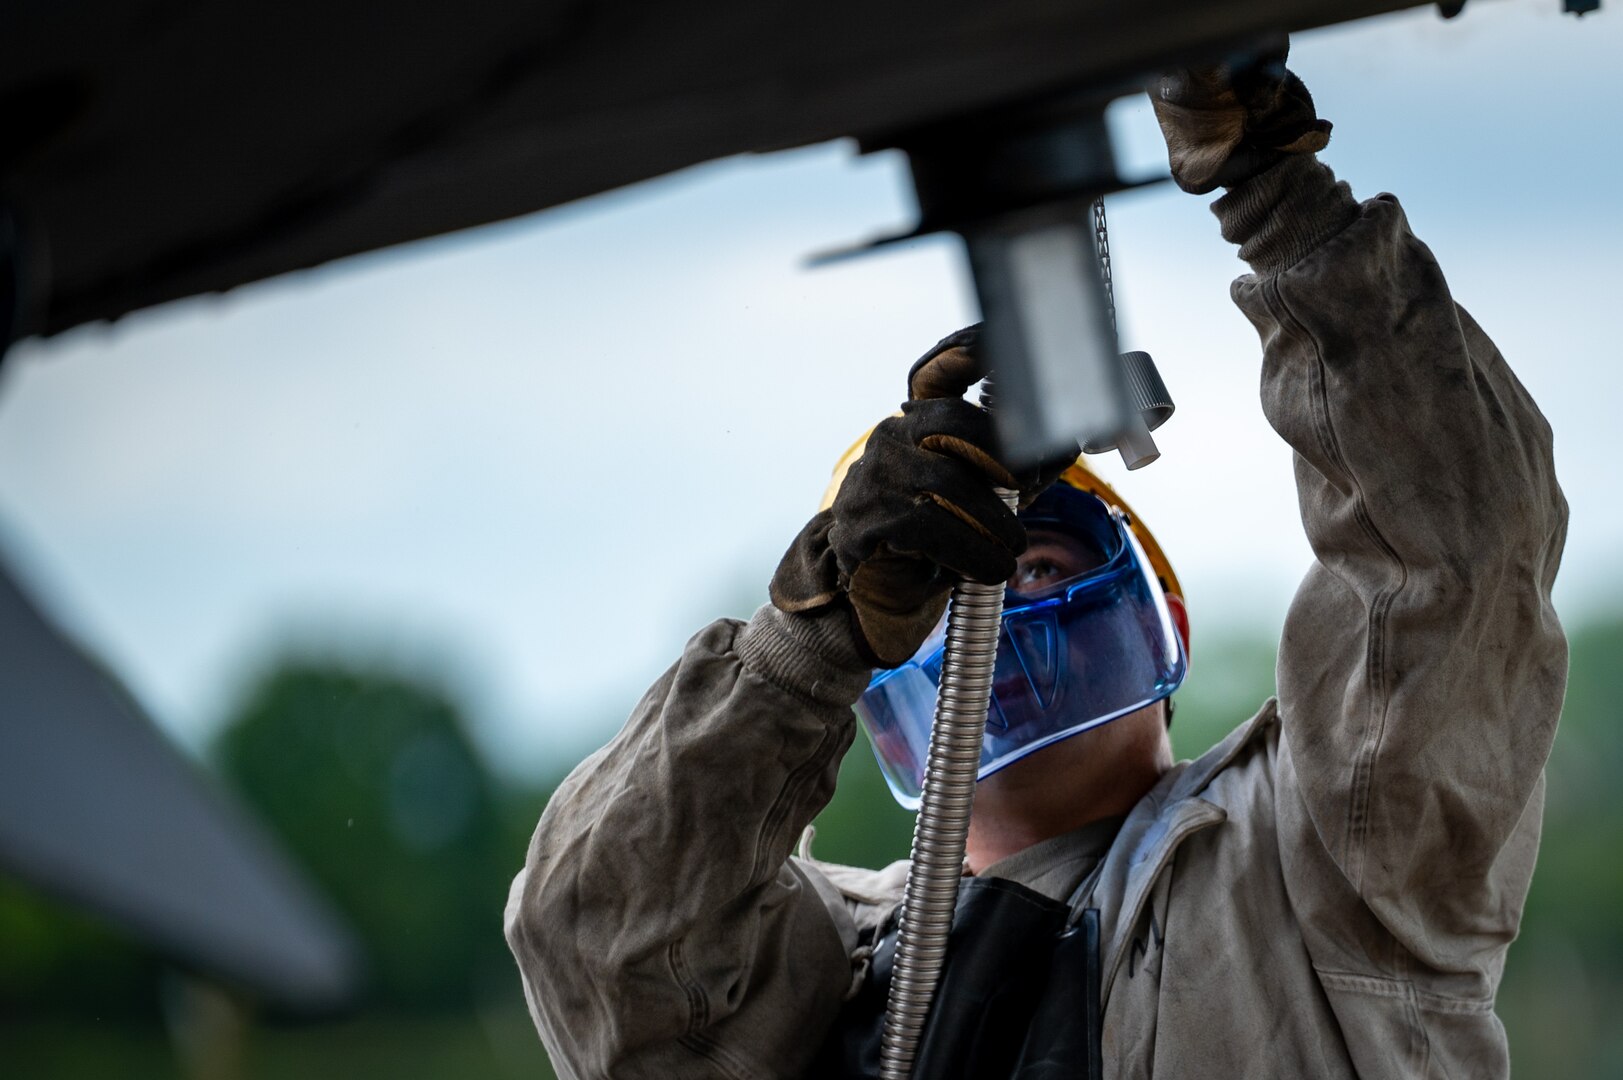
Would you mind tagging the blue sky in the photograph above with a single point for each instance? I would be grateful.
(533, 458)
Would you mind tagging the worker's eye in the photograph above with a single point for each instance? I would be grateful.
(1034, 574)
(1050, 558)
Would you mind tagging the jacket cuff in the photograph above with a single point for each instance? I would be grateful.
(811, 655)
(1284, 212)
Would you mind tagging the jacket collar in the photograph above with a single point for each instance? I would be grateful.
(1167, 816)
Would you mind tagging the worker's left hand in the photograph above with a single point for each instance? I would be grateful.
(948, 371)
(1225, 123)
(914, 513)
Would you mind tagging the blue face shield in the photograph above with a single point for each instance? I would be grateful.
(1073, 654)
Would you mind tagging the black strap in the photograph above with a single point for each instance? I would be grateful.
(1019, 997)
(1093, 988)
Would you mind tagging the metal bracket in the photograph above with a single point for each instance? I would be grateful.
(1017, 184)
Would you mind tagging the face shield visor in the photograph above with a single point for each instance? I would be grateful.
(1073, 653)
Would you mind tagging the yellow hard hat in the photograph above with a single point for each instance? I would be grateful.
(1079, 476)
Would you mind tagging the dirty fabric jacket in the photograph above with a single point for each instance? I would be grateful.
(1330, 893)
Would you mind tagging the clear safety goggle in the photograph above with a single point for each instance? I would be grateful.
(1080, 653)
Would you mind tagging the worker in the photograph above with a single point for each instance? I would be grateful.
(1330, 892)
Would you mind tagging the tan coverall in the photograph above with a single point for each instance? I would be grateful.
(1329, 893)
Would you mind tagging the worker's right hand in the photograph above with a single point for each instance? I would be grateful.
(1225, 123)
(915, 513)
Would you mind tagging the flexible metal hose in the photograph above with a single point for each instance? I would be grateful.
(974, 617)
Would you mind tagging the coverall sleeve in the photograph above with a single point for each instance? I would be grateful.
(660, 927)
(1422, 666)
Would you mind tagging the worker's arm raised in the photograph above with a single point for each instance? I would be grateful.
(658, 924)
(1422, 667)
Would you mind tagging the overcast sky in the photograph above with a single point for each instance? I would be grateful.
(533, 458)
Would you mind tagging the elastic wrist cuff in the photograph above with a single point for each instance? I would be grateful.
(808, 654)
(1284, 212)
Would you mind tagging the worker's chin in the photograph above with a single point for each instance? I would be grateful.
(1086, 759)
(1067, 763)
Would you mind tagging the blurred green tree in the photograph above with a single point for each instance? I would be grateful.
(370, 779)
(1564, 979)
(55, 959)
(862, 825)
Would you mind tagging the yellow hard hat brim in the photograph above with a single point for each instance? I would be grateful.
(1079, 476)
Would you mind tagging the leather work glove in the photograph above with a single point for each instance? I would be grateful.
(915, 513)
(1226, 123)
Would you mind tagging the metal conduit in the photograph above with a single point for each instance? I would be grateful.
(974, 618)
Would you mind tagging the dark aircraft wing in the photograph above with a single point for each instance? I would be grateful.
(154, 149)
(98, 809)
